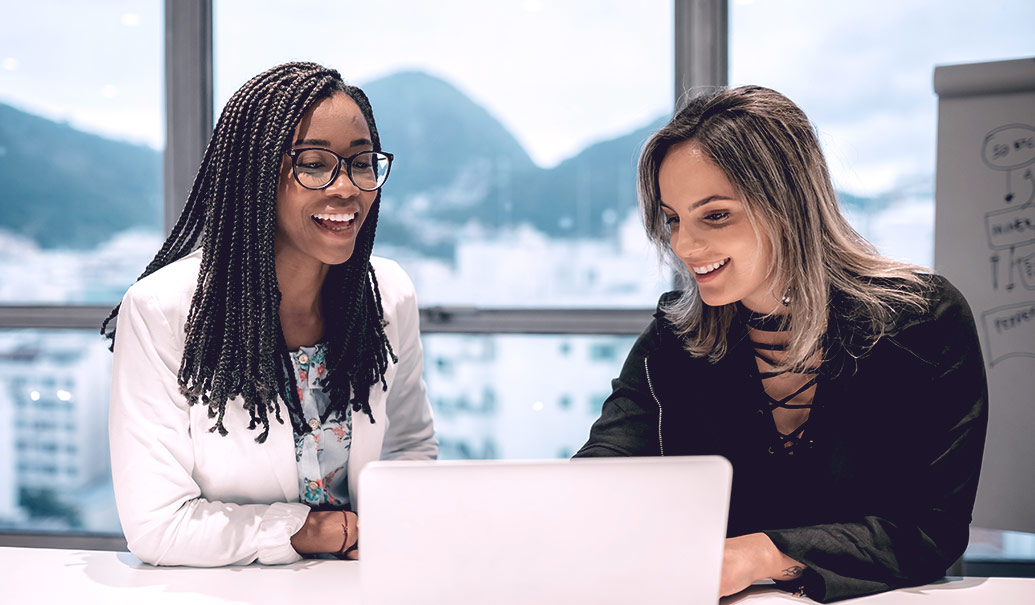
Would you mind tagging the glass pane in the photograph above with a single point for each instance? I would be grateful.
(989, 546)
(494, 396)
(55, 473)
(81, 140)
(863, 73)
(513, 396)
(515, 126)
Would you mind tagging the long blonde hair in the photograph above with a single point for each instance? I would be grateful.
(770, 153)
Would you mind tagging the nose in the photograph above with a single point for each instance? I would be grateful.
(342, 185)
(686, 244)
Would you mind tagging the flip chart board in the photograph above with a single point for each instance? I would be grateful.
(984, 242)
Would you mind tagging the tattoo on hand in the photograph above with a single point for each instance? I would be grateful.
(794, 571)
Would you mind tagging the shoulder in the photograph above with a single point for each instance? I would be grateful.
(946, 323)
(940, 299)
(392, 280)
(394, 284)
(390, 275)
(156, 307)
(667, 299)
(169, 289)
(943, 302)
(662, 324)
(662, 335)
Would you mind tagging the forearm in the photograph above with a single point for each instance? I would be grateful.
(212, 534)
(747, 559)
(783, 568)
(874, 554)
(769, 561)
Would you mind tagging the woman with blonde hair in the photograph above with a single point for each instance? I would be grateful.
(847, 389)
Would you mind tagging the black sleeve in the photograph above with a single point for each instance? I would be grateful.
(628, 423)
(929, 528)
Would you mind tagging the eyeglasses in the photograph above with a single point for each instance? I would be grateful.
(317, 168)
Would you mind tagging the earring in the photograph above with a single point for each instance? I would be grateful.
(786, 300)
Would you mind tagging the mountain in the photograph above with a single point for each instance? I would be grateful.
(66, 188)
(444, 144)
(583, 196)
(455, 163)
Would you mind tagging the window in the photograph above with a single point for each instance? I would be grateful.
(513, 187)
(514, 178)
(81, 142)
(605, 352)
(81, 135)
(529, 261)
(863, 74)
(517, 402)
(35, 438)
(88, 103)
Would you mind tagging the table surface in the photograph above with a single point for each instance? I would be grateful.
(83, 576)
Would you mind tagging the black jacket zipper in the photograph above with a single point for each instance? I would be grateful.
(650, 385)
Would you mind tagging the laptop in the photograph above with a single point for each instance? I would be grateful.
(602, 530)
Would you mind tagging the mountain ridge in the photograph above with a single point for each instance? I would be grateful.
(455, 163)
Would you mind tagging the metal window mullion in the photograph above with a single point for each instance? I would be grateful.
(84, 541)
(701, 45)
(188, 98)
(53, 317)
(459, 320)
(434, 320)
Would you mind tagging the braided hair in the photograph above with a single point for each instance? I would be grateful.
(234, 344)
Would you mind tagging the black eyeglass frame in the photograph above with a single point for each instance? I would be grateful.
(293, 154)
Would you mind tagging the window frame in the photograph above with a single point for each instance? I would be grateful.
(701, 59)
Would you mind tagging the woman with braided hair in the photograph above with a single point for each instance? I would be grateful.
(264, 356)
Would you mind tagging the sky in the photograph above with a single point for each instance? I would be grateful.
(863, 72)
(559, 74)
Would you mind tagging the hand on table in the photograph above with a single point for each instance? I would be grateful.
(322, 533)
(754, 557)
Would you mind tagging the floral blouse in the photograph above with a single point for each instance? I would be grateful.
(322, 452)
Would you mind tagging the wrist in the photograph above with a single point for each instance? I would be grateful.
(320, 533)
(779, 566)
(345, 534)
(769, 557)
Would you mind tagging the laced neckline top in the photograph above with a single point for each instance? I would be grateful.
(789, 393)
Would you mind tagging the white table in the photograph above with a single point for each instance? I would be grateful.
(947, 591)
(39, 575)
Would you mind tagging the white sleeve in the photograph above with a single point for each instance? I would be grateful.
(164, 517)
(411, 431)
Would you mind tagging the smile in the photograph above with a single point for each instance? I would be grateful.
(335, 222)
(706, 269)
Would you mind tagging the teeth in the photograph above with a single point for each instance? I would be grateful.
(345, 217)
(709, 268)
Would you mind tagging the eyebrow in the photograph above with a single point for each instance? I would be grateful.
(702, 202)
(325, 143)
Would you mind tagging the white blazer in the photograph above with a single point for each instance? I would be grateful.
(187, 496)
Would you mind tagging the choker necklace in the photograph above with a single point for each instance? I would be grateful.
(767, 323)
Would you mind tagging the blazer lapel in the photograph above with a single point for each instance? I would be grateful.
(279, 450)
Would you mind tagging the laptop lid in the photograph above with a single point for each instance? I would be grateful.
(604, 530)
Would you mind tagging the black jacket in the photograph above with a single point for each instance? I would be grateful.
(880, 495)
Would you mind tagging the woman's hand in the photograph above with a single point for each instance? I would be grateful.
(754, 557)
(322, 532)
